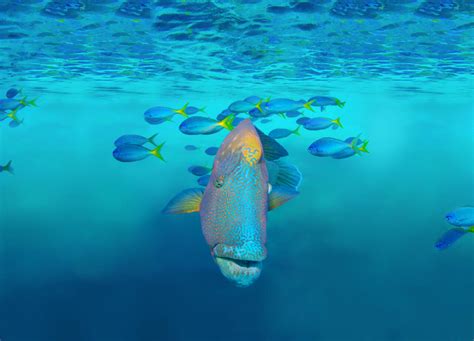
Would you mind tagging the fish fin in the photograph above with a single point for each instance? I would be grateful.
(308, 106)
(449, 237)
(182, 111)
(470, 229)
(227, 122)
(32, 102)
(24, 101)
(282, 173)
(8, 167)
(337, 122)
(363, 148)
(323, 108)
(282, 115)
(297, 131)
(340, 104)
(188, 201)
(12, 114)
(157, 151)
(151, 139)
(280, 195)
(272, 150)
(259, 105)
(203, 109)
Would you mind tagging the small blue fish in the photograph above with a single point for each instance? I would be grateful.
(323, 102)
(198, 125)
(211, 151)
(9, 104)
(225, 113)
(282, 133)
(7, 168)
(258, 113)
(293, 113)
(157, 115)
(15, 123)
(302, 120)
(11, 93)
(320, 123)
(132, 152)
(134, 139)
(328, 146)
(451, 236)
(199, 170)
(244, 106)
(461, 217)
(190, 147)
(194, 110)
(348, 152)
(253, 100)
(204, 180)
(237, 121)
(282, 105)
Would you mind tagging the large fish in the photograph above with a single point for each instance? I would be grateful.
(247, 180)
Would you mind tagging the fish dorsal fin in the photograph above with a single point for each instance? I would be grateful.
(188, 201)
(280, 195)
(281, 173)
(272, 150)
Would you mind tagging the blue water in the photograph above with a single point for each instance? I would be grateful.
(85, 253)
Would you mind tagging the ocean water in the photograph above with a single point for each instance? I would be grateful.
(85, 252)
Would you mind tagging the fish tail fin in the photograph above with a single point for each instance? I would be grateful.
(227, 122)
(8, 167)
(363, 148)
(203, 109)
(337, 122)
(24, 101)
(12, 115)
(151, 139)
(297, 131)
(354, 146)
(182, 111)
(308, 106)
(282, 115)
(340, 104)
(259, 105)
(32, 102)
(157, 151)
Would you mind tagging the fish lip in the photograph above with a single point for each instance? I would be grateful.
(240, 272)
(235, 253)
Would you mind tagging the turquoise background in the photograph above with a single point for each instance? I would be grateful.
(85, 253)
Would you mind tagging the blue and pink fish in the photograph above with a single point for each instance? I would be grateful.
(247, 181)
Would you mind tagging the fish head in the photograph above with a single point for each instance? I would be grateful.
(234, 206)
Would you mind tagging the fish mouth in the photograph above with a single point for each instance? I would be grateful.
(241, 272)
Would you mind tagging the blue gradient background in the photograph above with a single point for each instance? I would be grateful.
(85, 253)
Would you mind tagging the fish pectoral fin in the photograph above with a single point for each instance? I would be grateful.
(188, 201)
(272, 150)
(280, 195)
(284, 174)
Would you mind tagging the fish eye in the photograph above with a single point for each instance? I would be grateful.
(219, 182)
